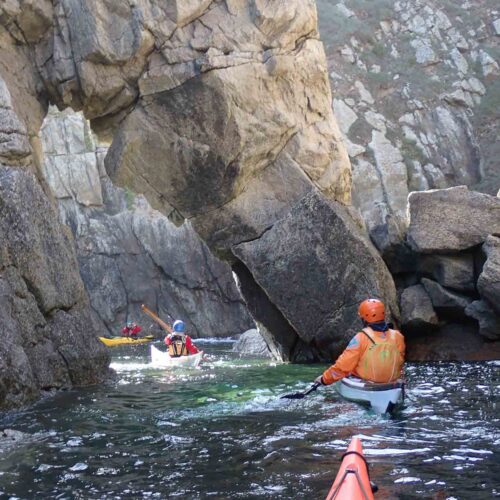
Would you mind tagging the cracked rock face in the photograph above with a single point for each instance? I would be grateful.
(319, 242)
(128, 253)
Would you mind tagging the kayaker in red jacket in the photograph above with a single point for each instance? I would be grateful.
(179, 343)
(131, 330)
(376, 353)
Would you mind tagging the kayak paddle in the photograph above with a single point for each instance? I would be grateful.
(300, 395)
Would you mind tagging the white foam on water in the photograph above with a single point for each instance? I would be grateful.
(470, 450)
(130, 367)
(214, 340)
(408, 480)
(44, 467)
(175, 440)
(75, 441)
(79, 466)
(107, 471)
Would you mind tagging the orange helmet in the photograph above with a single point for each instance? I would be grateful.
(372, 310)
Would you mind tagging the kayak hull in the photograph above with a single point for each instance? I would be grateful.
(353, 480)
(116, 341)
(164, 360)
(382, 398)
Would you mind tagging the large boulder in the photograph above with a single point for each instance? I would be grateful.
(488, 283)
(251, 343)
(489, 322)
(417, 312)
(451, 220)
(316, 266)
(451, 271)
(446, 302)
(235, 121)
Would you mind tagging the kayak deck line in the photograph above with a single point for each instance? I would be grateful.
(353, 478)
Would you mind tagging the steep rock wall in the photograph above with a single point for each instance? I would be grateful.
(128, 253)
(416, 91)
(49, 332)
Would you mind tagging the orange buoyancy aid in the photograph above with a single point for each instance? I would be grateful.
(177, 346)
(382, 360)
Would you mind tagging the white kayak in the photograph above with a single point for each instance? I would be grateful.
(164, 360)
(383, 398)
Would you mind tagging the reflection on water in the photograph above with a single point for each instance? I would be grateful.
(221, 431)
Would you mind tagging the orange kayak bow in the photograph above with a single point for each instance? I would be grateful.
(353, 480)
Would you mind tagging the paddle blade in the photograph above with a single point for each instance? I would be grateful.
(295, 395)
(300, 395)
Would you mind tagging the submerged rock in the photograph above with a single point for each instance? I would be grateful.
(252, 343)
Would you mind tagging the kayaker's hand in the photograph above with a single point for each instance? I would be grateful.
(319, 380)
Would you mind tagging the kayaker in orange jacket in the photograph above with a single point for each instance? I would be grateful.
(376, 353)
(179, 343)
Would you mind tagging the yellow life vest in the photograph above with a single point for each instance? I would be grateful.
(381, 361)
(177, 346)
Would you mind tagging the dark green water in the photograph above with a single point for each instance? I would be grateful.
(221, 431)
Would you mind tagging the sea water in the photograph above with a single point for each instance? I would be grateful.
(222, 431)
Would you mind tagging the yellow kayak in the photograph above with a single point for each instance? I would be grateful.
(114, 341)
